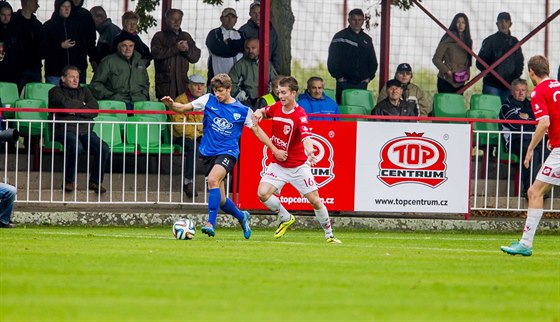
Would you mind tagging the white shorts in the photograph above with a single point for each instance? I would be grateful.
(550, 170)
(301, 178)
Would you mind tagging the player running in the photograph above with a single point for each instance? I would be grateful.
(545, 100)
(291, 133)
(224, 118)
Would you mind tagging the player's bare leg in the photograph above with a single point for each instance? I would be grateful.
(266, 196)
(322, 215)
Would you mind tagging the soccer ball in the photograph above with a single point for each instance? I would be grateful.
(184, 229)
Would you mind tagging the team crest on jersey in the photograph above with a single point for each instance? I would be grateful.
(413, 159)
(287, 129)
(324, 154)
(236, 116)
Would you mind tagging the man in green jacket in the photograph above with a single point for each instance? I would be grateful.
(122, 76)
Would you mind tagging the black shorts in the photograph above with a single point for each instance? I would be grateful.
(225, 160)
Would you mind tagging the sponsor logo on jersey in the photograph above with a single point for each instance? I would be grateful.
(413, 159)
(222, 123)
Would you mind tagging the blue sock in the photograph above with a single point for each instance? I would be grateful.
(214, 198)
(230, 208)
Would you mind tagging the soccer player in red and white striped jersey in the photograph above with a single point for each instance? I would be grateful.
(545, 100)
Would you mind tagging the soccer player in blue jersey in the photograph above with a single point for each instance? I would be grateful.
(224, 118)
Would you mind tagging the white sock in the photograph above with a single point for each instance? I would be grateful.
(531, 224)
(273, 203)
(322, 216)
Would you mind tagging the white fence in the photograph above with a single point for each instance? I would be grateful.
(139, 171)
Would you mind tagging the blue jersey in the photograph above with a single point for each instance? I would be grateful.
(222, 125)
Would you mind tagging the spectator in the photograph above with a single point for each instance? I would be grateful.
(452, 61)
(394, 105)
(130, 30)
(518, 107)
(245, 74)
(107, 32)
(410, 92)
(30, 36)
(65, 43)
(8, 42)
(7, 197)
(122, 76)
(314, 101)
(78, 138)
(225, 44)
(272, 96)
(83, 19)
(493, 48)
(173, 50)
(352, 60)
(186, 135)
(251, 30)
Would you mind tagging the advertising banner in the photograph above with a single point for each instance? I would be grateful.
(412, 167)
(335, 149)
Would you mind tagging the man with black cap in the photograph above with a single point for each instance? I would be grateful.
(394, 105)
(492, 49)
(411, 92)
(122, 76)
(352, 61)
(225, 44)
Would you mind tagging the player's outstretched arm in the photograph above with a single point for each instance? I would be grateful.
(259, 115)
(280, 155)
(540, 131)
(177, 107)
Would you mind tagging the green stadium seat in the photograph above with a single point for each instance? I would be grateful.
(449, 105)
(484, 139)
(486, 102)
(108, 128)
(33, 126)
(9, 94)
(353, 110)
(154, 106)
(511, 160)
(145, 133)
(330, 93)
(37, 91)
(114, 105)
(358, 97)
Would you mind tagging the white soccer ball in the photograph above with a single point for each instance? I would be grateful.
(184, 229)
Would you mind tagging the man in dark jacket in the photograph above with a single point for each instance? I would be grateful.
(225, 45)
(8, 42)
(78, 138)
(130, 31)
(352, 61)
(30, 37)
(251, 30)
(84, 20)
(173, 49)
(394, 105)
(493, 48)
(517, 107)
(107, 32)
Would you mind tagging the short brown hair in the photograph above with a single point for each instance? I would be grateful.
(221, 80)
(519, 81)
(289, 82)
(539, 65)
(129, 15)
(173, 11)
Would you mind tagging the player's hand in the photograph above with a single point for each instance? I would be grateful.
(257, 116)
(311, 158)
(168, 101)
(280, 155)
(528, 158)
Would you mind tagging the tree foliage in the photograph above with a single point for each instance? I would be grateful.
(143, 10)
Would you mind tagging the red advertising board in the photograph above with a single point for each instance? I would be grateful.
(335, 148)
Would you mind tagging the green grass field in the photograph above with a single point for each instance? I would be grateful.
(143, 274)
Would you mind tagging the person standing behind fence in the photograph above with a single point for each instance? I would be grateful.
(30, 36)
(173, 50)
(8, 42)
(224, 119)
(352, 61)
(225, 44)
(493, 48)
(78, 138)
(252, 29)
(122, 76)
(453, 61)
(130, 30)
(185, 135)
(518, 107)
(546, 106)
(107, 32)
